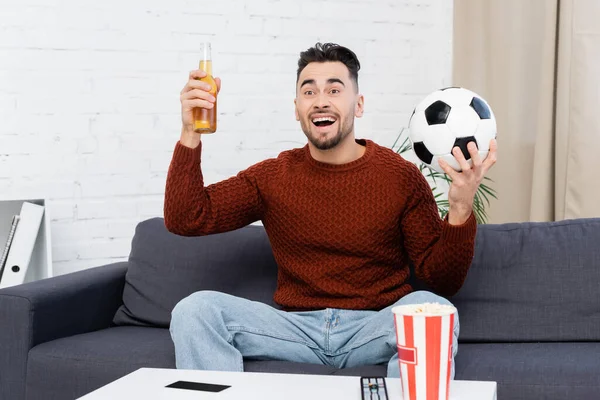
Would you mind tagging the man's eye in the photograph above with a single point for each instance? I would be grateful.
(335, 91)
(308, 92)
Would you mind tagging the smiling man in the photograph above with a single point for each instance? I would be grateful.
(346, 219)
(327, 101)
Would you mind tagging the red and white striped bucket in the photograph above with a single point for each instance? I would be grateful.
(424, 340)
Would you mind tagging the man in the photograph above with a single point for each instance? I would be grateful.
(345, 218)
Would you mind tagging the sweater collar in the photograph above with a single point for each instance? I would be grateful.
(370, 149)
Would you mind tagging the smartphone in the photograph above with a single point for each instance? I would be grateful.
(202, 387)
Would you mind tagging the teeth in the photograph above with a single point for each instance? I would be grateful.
(324, 119)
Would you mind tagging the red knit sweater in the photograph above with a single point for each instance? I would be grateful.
(342, 235)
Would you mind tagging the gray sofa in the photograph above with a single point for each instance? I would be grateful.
(529, 311)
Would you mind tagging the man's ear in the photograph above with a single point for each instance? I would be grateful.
(359, 108)
(296, 110)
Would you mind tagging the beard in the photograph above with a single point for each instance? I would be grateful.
(345, 127)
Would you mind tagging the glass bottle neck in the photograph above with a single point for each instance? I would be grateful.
(205, 58)
(206, 66)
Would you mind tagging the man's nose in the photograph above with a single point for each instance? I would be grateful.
(322, 101)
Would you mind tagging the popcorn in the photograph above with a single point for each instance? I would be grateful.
(426, 309)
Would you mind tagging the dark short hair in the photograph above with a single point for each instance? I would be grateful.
(323, 52)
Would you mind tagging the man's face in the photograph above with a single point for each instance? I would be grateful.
(326, 103)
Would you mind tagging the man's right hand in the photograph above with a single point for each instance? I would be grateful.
(195, 94)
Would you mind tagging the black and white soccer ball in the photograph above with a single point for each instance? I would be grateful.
(447, 118)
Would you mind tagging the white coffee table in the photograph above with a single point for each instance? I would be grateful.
(149, 383)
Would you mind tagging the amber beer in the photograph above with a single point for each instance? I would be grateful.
(205, 120)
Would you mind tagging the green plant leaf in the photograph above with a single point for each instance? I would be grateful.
(488, 190)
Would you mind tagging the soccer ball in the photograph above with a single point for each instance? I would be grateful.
(447, 118)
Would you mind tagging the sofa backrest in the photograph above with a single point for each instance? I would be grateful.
(528, 281)
(533, 282)
(164, 268)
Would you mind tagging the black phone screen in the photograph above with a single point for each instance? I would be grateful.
(203, 387)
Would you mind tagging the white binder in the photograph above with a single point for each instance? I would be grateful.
(11, 234)
(21, 249)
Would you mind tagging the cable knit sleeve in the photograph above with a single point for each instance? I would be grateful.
(441, 253)
(191, 209)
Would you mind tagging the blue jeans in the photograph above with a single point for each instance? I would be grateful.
(215, 331)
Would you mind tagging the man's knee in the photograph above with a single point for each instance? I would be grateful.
(423, 296)
(197, 307)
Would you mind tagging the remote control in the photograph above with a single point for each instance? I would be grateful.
(373, 388)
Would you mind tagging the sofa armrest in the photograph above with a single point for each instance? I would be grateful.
(52, 308)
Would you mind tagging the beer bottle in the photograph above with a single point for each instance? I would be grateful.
(205, 120)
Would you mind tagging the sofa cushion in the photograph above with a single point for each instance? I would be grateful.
(533, 282)
(164, 268)
(73, 366)
(524, 371)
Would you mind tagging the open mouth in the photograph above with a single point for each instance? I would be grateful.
(323, 121)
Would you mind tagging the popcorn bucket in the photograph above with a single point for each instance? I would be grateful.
(424, 341)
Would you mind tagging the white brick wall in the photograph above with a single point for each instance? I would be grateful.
(89, 96)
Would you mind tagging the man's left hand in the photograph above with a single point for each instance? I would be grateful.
(466, 182)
